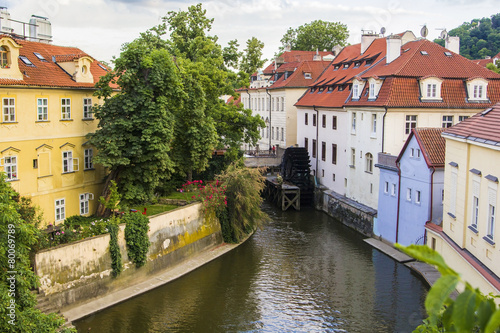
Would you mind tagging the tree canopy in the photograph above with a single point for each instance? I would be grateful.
(252, 57)
(478, 38)
(317, 35)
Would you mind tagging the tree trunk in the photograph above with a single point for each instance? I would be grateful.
(101, 210)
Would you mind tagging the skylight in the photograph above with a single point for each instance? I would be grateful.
(424, 53)
(448, 54)
(26, 61)
(102, 66)
(39, 56)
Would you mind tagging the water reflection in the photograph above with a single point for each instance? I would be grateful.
(303, 272)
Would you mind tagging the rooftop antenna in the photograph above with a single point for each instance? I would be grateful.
(382, 31)
(443, 34)
(424, 31)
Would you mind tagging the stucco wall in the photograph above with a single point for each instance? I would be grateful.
(80, 271)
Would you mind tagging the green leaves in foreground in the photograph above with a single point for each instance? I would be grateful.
(470, 312)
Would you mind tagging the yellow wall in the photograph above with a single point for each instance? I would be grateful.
(44, 142)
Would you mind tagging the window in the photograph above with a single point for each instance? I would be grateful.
(306, 143)
(491, 221)
(334, 153)
(334, 122)
(353, 157)
(42, 111)
(65, 108)
(314, 119)
(70, 164)
(447, 121)
(282, 134)
(307, 76)
(475, 211)
(386, 187)
(272, 132)
(306, 119)
(369, 163)
(88, 157)
(277, 133)
(417, 197)
(411, 123)
(478, 91)
(374, 123)
(393, 190)
(272, 104)
(372, 91)
(84, 204)
(26, 61)
(87, 108)
(39, 56)
(453, 191)
(408, 194)
(10, 167)
(323, 151)
(9, 110)
(353, 122)
(355, 91)
(314, 148)
(323, 120)
(431, 90)
(282, 103)
(60, 210)
(462, 118)
(4, 57)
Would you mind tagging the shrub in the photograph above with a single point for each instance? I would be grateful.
(136, 237)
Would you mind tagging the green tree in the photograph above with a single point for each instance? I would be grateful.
(317, 35)
(470, 312)
(231, 54)
(18, 236)
(252, 57)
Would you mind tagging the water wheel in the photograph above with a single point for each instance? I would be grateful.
(295, 169)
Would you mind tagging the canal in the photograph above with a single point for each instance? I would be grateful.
(302, 272)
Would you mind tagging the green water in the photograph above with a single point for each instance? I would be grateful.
(303, 272)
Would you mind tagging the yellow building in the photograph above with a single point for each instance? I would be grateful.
(469, 233)
(46, 95)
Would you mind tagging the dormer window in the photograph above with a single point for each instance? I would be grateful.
(346, 66)
(368, 62)
(313, 89)
(307, 76)
(4, 57)
(330, 88)
(321, 89)
(374, 85)
(430, 89)
(372, 90)
(341, 88)
(355, 91)
(357, 64)
(336, 67)
(477, 90)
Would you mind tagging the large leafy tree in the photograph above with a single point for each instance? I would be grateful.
(478, 38)
(252, 57)
(18, 236)
(317, 35)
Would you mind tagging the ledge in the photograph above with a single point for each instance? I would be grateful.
(489, 240)
(453, 216)
(473, 229)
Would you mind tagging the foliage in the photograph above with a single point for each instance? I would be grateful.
(252, 58)
(231, 54)
(153, 209)
(114, 248)
(213, 195)
(470, 312)
(243, 189)
(493, 67)
(136, 237)
(478, 38)
(17, 239)
(136, 125)
(317, 35)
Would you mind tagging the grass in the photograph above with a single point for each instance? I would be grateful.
(155, 209)
(180, 196)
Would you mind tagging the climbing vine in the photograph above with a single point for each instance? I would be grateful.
(114, 248)
(136, 237)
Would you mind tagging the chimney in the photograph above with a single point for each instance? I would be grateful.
(5, 21)
(336, 50)
(40, 29)
(453, 44)
(317, 56)
(366, 40)
(393, 48)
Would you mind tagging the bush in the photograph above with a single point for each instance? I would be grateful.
(136, 237)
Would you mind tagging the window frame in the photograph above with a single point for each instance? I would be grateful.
(10, 168)
(447, 121)
(65, 108)
(334, 153)
(88, 156)
(60, 209)
(42, 109)
(87, 108)
(9, 110)
(410, 123)
(369, 163)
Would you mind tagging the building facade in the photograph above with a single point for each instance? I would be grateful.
(47, 98)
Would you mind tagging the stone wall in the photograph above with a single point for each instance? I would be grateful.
(74, 273)
(349, 212)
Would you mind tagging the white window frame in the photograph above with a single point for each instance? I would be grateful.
(65, 108)
(386, 187)
(84, 202)
(355, 91)
(418, 197)
(408, 194)
(88, 156)
(447, 121)
(492, 202)
(9, 110)
(476, 190)
(353, 122)
(393, 190)
(87, 108)
(411, 123)
(369, 162)
(42, 109)
(353, 157)
(478, 89)
(10, 167)
(60, 209)
(69, 163)
(371, 93)
(431, 90)
(374, 123)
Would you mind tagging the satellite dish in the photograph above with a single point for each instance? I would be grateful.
(443, 34)
(382, 30)
(424, 31)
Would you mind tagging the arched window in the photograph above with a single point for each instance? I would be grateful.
(4, 57)
(369, 163)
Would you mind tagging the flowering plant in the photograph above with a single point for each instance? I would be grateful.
(212, 194)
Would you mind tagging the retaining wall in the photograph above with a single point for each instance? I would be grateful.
(77, 272)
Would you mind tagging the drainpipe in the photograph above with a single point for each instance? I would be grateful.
(399, 200)
(383, 129)
(317, 141)
(430, 206)
(270, 122)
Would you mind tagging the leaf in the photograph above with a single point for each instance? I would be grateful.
(463, 311)
(439, 293)
(426, 254)
(484, 312)
(493, 323)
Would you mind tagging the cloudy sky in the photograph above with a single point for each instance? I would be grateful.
(100, 27)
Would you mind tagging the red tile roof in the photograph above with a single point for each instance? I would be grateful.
(295, 56)
(432, 145)
(297, 78)
(483, 127)
(48, 73)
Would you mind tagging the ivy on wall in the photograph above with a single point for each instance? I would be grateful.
(136, 237)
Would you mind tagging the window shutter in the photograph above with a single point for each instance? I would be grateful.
(76, 164)
(2, 160)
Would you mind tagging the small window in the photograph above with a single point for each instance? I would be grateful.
(393, 190)
(447, 121)
(10, 167)
(35, 163)
(334, 153)
(9, 110)
(314, 119)
(408, 194)
(42, 109)
(431, 90)
(320, 90)
(4, 57)
(336, 67)
(39, 56)
(323, 151)
(355, 91)
(369, 163)
(417, 197)
(306, 144)
(341, 88)
(411, 123)
(374, 123)
(462, 118)
(314, 148)
(323, 120)
(357, 64)
(88, 162)
(65, 108)
(424, 53)
(306, 119)
(87, 108)
(386, 187)
(353, 123)
(346, 66)
(372, 90)
(330, 88)
(448, 54)
(102, 66)
(307, 76)
(334, 122)
(353, 157)
(60, 208)
(368, 62)
(26, 61)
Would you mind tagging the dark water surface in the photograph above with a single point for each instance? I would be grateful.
(303, 272)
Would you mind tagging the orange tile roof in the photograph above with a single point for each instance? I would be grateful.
(432, 145)
(483, 127)
(295, 56)
(48, 73)
(298, 79)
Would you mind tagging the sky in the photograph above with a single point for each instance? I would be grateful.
(100, 27)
